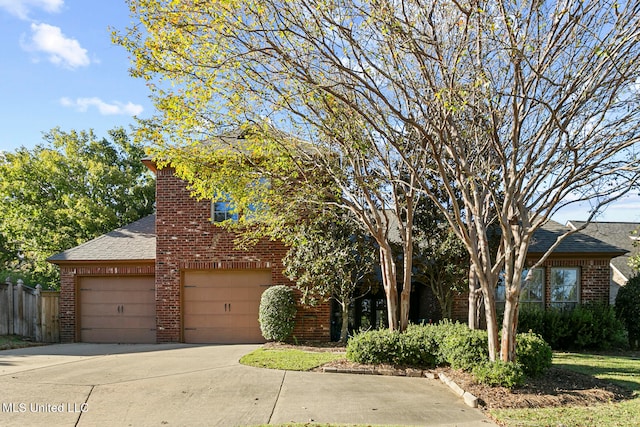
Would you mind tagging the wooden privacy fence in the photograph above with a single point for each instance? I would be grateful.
(29, 312)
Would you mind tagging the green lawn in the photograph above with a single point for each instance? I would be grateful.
(621, 370)
(288, 359)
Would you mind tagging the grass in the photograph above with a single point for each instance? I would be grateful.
(618, 369)
(13, 341)
(288, 359)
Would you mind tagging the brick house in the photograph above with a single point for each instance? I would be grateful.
(578, 271)
(173, 277)
(176, 277)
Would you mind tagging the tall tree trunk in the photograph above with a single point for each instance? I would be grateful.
(344, 330)
(389, 281)
(472, 317)
(509, 328)
(405, 296)
(492, 323)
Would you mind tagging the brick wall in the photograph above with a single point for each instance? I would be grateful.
(186, 239)
(595, 277)
(69, 275)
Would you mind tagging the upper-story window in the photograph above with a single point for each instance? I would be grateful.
(222, 211)
(565, 287)
(532, 292)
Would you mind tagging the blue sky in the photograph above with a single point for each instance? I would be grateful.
(58, 67)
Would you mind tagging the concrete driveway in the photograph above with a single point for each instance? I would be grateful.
(187, 385)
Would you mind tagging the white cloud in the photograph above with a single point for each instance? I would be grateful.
(104, 108)
(61, 50)
(21, 8)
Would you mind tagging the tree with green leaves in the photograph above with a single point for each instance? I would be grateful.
(331, 258)
(519, 108)
(70, 189)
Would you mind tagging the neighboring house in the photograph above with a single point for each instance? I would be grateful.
(575, 273)
(621, 234)
(173, 277)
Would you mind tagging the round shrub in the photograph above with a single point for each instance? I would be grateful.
(440, 331)
(418, 347)
(277, 313)
(499, 373)
(628, 309)
(465, 348)
(533, 354)
(373, 347)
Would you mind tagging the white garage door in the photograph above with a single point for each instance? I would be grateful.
(221, 306)
(117, 309)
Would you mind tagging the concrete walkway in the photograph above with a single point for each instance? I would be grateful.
(187, 385)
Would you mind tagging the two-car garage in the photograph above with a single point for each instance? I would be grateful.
(114, 290)
(218, 306)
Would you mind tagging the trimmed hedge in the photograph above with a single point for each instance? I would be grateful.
(453, 344)
(591, 326)
(277, 313)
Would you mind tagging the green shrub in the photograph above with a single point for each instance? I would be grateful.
(592, 326)
(440, 332)
(418, 346)
(533, 354)
(463, 348)
(373, 347)
(277, 313)
(499, 373)
(628, 309)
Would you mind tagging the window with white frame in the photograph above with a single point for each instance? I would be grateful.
(532, 292)
(222, 211)
(564, 287)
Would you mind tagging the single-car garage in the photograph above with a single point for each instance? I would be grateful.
(117, 309)
(221, 306)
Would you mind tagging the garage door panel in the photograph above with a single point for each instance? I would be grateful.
(96, 309)
(227, 335)
(205, 308)
(222, 306)
(116, 297)
(106, 335)
(205, 320)
(117, 309)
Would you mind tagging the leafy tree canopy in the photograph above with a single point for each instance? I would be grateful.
(519, 107)
(70, 189)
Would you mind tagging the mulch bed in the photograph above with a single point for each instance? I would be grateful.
(558, 387)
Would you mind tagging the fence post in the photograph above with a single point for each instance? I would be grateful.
(19, 313)
(11, 308)
(38, 314)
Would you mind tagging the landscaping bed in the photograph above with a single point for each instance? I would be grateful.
(558, 387)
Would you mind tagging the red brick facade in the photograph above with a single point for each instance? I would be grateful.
(595, 278)
(186, 239)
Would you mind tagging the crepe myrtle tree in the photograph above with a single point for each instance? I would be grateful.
(331, 257)
(520, 108)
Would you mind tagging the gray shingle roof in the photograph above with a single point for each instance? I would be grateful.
(578, 243)
(133, 242)
(614, 233)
